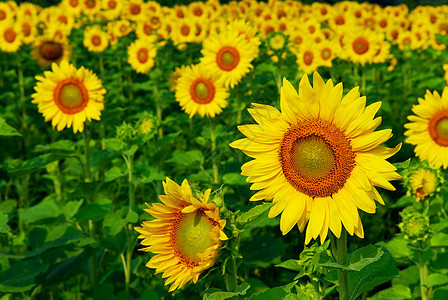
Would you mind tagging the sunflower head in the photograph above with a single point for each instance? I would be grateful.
(421, 181)
(319, 159)
(414, 225)
(185, 235)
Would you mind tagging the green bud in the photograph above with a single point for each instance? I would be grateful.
(414, 225)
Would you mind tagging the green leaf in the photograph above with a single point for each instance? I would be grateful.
(291, 264)
(262, 251)
(234, 179)
(402, 165)
(437, 280)
(20, 277)
(358, 261)
(47, 209)
(8, 206)
(275, 293)
(18, 168)
(242, 289)
(113, 173)
(113, 223)
(374, 274)
(132, 217)
(253, 213)
(131, 151)
(187, 158)
(440, 294)
(6, 130)
(397, 292)
(439, 239)
(115, 145)
(398, 247)
(93, 211)
(4, 228)
(62, 146)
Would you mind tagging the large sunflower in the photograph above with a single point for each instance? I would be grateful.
(428, 130)
(319, 159)
(185, 234)
(68, 96)
(229, 54)
(198, 90)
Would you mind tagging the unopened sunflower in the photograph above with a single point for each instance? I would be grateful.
(319, 160)
(68, 96)
(185, 235)
(229, 55)
(428, 129)
(141, 55)
(199, 90)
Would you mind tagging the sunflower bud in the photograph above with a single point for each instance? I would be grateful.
(125, 132)
(414, 225)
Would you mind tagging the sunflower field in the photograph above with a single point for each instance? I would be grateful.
(246, 150)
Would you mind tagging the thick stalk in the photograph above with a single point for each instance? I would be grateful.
(423, 277)
(214, 158)
(342, 260)
(131, 191)
(231, 277)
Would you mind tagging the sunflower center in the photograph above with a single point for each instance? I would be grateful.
(316, 157)
(326, 53)
(142, 55)
(227, 58)
(74, 3)
(360, 45)
(26, 29)
(10, 35)
(277, 42)
(71, 96)
(2, 15)
(96, 40)
(438, 128)
(112, 4)
(51, 51)
(147, 29)
(308, 57)
(190, 235)
(90, 3)
(339, 20)
(135, 9)
(202, 91)
(185, 30)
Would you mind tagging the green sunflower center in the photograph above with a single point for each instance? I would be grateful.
(71, 96)
(312, 157)
(442, 128)
(202, 91)
(227, 58)
(189, 236)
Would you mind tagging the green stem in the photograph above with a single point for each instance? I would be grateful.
(88, 174)
(342, 260)
(159, 110)
(231, 277)
(131, 192)
(363, 80)
(214, 158)
(423, 272)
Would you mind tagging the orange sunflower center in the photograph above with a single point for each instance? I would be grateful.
(26, 29)
(71, 96)
(316, 158)
(90, 3)
(142, 55)
(135, 9)
(189, 236)
(147, 29)
(227, 58)
(360, 45)
(96, 40)
(339, 20)
(2, 15)
(185, 30)
(438, 128)
(51, 50)
(112, 4)
(308, 57)
(202, 91)
(74, 3)
(10, 35)
(197, 11)
(326, 53)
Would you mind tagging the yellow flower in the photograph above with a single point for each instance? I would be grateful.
(185, 235)
(95, 39)
(11, 36)
(5, 12)
(428, 129)
(91, 7)
(308, 58)
(229, 55)
(141, 55)
(68, 96)
(319, 160)
(423, 183)
(74, 6)
(198, 90)
(361, 46)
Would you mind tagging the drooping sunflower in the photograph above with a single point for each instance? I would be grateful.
(319, 159)
(185, 235)
(230, 55)
(48, 50)
(68, 96)
(141, 55)
(199, 90)
(428, 129)
(95, 39)
(423, 182)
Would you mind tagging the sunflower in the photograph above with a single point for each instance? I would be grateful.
(198, 90)
(185, 235)
(5, 12)
(68, 96)
(29, 29)
(91, 7)
(95, 39)
(361, 46)
(74, 6)
(48, 50)
(134, 10)
(428, 129)
(423, 182)
(229, 54)
(319, 159)
(174, 76)
(11, 36)
(308, 57)
(141, 55)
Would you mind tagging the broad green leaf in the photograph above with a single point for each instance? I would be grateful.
(374, 274)
(262, 251)
(71, 208)
(397, 292)
(113, 173)
(291, 264)
(17, 168)
(234, 179)
(62, 146)
(115, 145)
(113, 223)
(132, 217)
(151, 174)
(8, 206)
(187, 158)
(131, 151)
(440, 294)
(402, 165)
(252, 214)
(4, 228)
(242, 289)
(398, 247)
(275, 293)
(21, 276)
(149, 295)
(6, 130)
(92, 211)
(439, 239)
(46, 209)
(437, 280)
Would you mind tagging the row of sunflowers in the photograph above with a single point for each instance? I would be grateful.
(138, 93)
